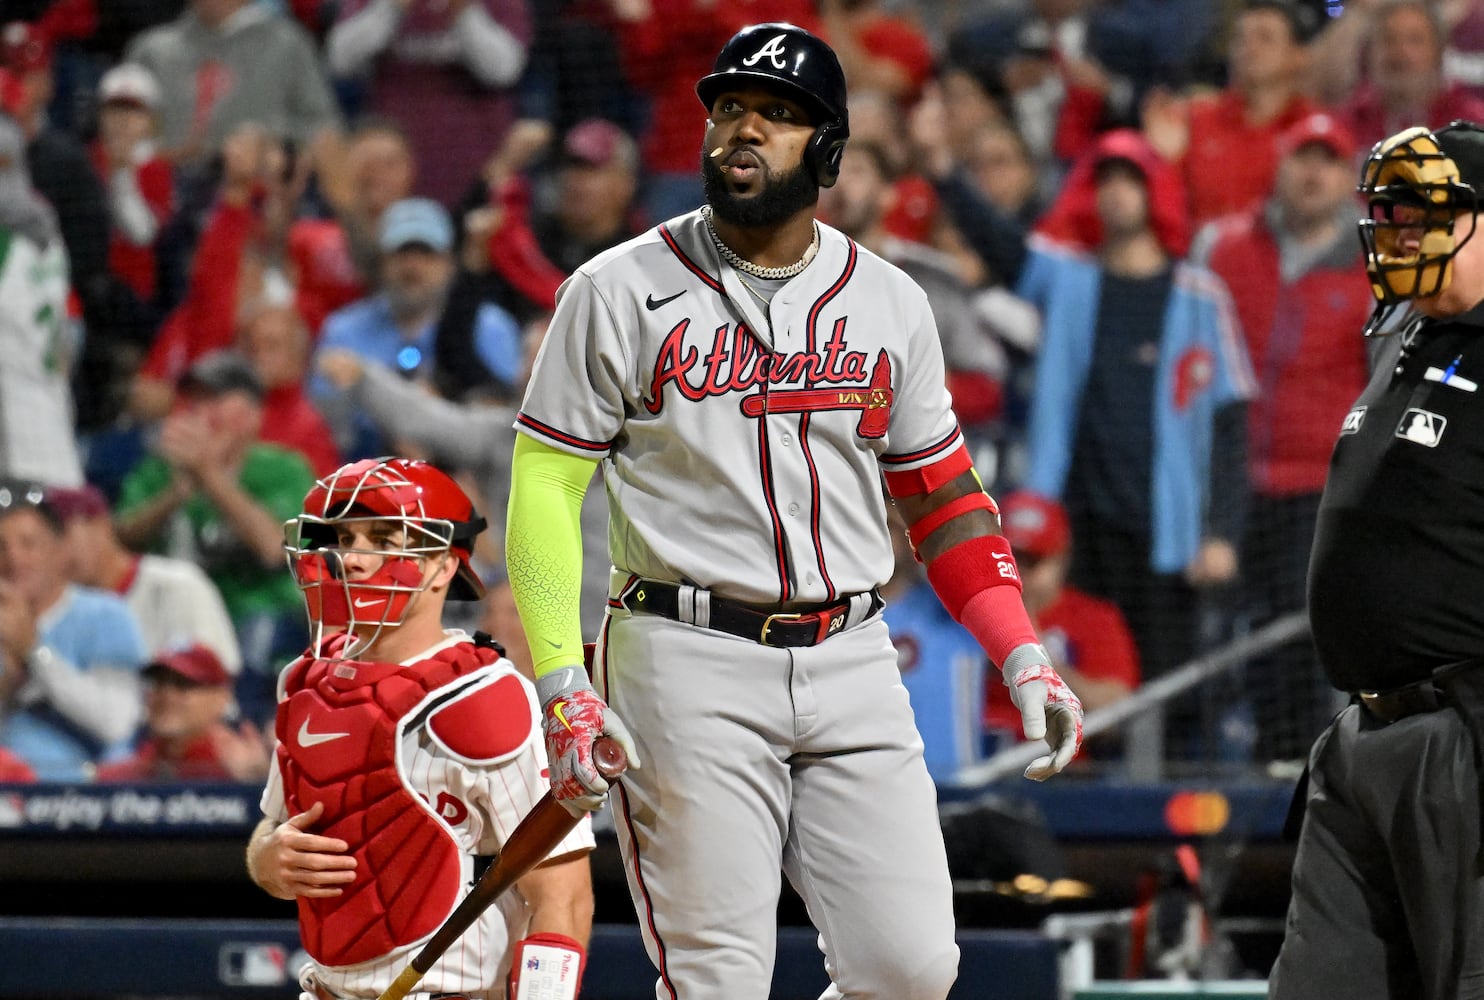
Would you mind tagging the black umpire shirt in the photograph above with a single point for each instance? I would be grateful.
(1396, 579)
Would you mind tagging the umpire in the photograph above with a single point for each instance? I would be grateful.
(1388, 900)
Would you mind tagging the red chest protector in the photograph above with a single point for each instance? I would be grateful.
(339, 726)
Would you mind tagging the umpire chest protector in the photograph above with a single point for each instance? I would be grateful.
(340, 729)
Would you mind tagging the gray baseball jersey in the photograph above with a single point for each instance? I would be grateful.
(744, 449)
(743, 452)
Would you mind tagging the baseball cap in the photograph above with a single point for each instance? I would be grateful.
(196, 663)
(1035, 525)
(79, 502)
(24, 48)
(1323, 129)
(416, 220)
(1463, 141)
(597, 142)
(131, 84)
(219, 372)
(22, 494)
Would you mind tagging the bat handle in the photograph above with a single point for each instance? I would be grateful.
(609, 758)
(402, 985)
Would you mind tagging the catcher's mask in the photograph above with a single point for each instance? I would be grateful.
(1414, 195)
(406, 511)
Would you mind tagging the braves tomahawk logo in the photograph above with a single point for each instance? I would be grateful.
(737, 364)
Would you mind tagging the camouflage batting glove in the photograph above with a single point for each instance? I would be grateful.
(573, 717)
(1048, 708)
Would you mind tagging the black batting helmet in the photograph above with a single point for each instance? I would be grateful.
(789, 59)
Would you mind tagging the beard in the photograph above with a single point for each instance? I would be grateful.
(782, 196)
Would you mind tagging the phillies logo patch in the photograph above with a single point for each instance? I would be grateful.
(1193, 373)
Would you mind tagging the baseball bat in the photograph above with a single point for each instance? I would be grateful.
(531, 840)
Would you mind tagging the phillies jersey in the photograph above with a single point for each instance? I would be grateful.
(739, 441)
(471, 755)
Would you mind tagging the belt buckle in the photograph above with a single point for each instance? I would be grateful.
(768, 623)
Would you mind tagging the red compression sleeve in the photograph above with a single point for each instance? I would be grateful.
(997, 618)
(978, 582)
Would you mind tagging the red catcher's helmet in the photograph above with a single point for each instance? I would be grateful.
(435, 517)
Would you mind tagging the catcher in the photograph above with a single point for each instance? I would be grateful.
(406, 754)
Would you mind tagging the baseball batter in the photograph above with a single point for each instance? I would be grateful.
(406, 754)
(746, 375)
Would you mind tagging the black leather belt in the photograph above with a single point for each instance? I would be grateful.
(1427, 695)
(769, 626)
(1413, 699)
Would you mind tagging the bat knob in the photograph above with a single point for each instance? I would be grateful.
(609, 757)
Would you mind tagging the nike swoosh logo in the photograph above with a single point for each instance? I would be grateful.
(368, 603)
(559, 710)
(999, 555)
(308, 739)
(553, 645)
(651, 303)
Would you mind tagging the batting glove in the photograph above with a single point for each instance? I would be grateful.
(1048, 708)
(574, 716)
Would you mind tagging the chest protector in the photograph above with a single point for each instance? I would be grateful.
(339, 726)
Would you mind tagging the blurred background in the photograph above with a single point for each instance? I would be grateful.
(242, 241)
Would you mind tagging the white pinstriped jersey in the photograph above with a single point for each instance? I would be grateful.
(480, 804)
(37, 438)
(744, 447)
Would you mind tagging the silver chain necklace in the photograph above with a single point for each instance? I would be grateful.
(737, 261)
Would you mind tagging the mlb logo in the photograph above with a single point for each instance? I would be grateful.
(1422, 427)
(252, 964)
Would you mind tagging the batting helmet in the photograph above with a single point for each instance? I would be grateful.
(1414, 190)
(789, 59)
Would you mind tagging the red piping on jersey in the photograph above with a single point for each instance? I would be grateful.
(654, 932)
(810, 328)
(690, 265)
(628, 822)
(933, 449)
(830, 293)
(546, 430)
(779, 550)
(814, 506)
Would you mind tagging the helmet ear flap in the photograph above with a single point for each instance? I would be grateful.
(826, 149)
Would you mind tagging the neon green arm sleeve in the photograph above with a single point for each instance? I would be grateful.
(543, 549)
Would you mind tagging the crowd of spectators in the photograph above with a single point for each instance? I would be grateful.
(242, 241)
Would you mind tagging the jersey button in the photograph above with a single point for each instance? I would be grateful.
(788, 439)
(793, 509)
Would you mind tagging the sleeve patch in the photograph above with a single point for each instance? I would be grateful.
(489, 723)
